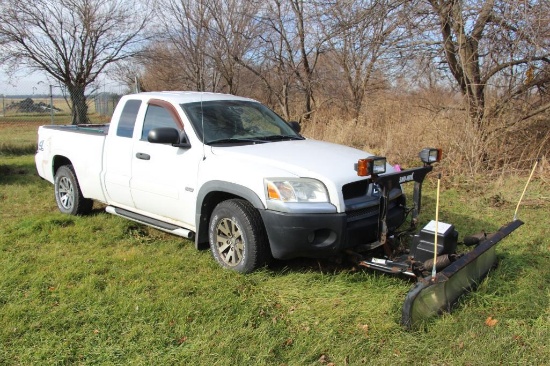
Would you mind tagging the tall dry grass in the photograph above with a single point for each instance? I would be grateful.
(398, 127)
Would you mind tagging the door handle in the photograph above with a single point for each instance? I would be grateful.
(143, 156)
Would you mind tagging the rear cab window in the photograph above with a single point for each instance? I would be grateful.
(128, 117)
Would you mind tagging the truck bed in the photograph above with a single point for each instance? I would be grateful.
(90, 129)
(78, 145)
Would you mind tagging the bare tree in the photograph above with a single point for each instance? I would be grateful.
(185, 36)
(268, 58)
(72, 41)
(310, 48)
(232, 31)
(163, 69)
(289, 46)
(364, 36)
(128, 72)
(496, 47)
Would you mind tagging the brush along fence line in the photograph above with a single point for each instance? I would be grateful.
(58, 107)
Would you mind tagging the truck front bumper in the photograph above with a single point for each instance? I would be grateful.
(322, 235)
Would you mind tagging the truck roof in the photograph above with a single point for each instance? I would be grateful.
(180, 97)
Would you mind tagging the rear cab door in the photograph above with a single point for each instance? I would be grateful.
(118, 150)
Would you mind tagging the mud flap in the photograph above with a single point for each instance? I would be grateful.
(434, 295)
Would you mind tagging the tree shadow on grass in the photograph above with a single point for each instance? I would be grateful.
(18, 174)
(17, 150)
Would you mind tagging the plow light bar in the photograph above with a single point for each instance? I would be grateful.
(373, 165)
(430, 155)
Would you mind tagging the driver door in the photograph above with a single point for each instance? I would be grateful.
(163, 176)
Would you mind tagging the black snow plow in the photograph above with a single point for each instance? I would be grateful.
(433, 295)
(442, 274)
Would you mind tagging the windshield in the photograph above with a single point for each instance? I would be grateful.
(226, 121)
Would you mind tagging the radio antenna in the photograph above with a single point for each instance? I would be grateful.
(202, 127)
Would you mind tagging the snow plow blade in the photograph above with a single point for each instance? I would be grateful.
(434, 295)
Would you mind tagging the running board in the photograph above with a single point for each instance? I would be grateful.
(146, 220)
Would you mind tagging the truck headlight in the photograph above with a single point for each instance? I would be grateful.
(295, 190)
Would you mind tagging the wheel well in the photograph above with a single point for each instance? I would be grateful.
(210, 201)
(59, 161)
(210, 194)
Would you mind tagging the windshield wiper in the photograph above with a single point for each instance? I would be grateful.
(235, 140)
(279, 138)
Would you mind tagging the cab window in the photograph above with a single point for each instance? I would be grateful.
(155, 117)
(127, 119)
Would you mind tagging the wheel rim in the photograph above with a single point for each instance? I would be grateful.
(229, 242)
(66, 193)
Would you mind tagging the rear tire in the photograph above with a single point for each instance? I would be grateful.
(68, 195)
(237, 236)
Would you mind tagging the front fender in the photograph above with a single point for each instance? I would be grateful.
(210, 194)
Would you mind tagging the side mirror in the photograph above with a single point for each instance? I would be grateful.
(168, 135)
(163, 135)
(295, 126)
(183, 141)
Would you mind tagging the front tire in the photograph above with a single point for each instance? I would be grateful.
(68, 195)
(237, 236)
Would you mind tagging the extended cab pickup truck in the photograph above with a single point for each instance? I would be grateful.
(232, 175)
(223, 170)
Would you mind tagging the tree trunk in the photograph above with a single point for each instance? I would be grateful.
(462, 52)
(79, 105)
(306, 76)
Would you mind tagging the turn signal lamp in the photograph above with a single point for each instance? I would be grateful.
(273, 192)
(430, 155)
(373, 165)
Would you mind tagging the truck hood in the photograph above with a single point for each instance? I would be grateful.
(300, 158)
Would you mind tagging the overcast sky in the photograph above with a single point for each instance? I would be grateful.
(36, 83)
(23, 83)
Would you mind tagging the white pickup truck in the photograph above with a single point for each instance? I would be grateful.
(231, 174)
(225, 171)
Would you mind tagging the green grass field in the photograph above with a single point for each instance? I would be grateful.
(103, 290)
